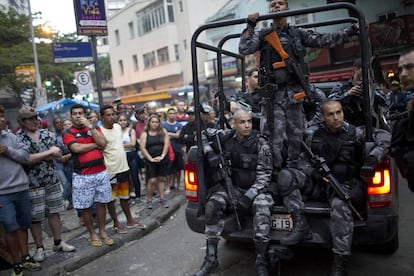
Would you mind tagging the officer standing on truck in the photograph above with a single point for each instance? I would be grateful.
(341, 145)
(249, 156)
(283, 75)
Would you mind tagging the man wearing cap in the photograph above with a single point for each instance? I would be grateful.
(205, 117)
(14, 198)
(45, 186)
(188, 132)
(397, 99)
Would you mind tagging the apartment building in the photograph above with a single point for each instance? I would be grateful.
(149, 44)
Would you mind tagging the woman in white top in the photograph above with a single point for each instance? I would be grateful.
(130, 140)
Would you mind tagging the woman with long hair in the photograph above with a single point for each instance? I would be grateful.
(154, 143)
(129, 139)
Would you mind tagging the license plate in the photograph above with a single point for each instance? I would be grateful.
(282, 222)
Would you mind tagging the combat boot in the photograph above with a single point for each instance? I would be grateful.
(261, 263)
(339, 265)
(301, 230)
(210, 263)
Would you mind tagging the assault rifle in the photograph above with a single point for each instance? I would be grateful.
(266, 106)
(224, 169)
(224, 105)
(397, 116)
(320, 163)
(291, 65)
(224, 173)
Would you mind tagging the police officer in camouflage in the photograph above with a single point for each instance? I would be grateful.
(250, 157)
(250, 98)
(341, 145)
(286, 91)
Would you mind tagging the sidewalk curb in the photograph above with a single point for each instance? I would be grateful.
(88, 254)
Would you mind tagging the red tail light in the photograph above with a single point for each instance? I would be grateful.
(379, 186)
(190, 181)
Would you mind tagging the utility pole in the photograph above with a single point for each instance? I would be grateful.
(36, 62)
(97, 70)
(62, 88)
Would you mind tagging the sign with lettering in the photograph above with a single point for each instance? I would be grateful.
(84, 82)
(72, 52)
(90, 17)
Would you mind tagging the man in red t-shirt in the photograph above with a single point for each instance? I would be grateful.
(181, 116)
(90, 179)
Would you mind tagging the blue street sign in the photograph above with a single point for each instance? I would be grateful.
(72, 52)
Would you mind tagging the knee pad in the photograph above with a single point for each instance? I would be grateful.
(285, 182)
(213, 212)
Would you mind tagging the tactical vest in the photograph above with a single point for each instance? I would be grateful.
(243, 158)
(341, 151)
(292, 44)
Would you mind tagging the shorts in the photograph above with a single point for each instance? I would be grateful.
(46, 199)
(120, 185)
(178, 163)
(13, 211)
(154, 169)
(90, 188)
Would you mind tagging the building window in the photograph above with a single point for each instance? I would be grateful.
(105, 41)
(154, 16)
(181, 6)
(149, 60)
(185, 44)
(135, 62)
(301, 19)
(176, 52)
(131, 30)
(170, 9)
(163, 56)
(121, 67)
(117, 39)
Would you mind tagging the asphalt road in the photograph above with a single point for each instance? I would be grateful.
(175, 250)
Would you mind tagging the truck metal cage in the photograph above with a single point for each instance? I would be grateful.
(365, 55)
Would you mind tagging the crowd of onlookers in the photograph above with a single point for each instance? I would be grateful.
(87, 161)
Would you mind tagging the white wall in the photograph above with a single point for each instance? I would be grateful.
(194, 14)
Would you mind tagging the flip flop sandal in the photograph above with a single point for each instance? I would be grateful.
(95, 243)
(120, 230)
(107, 241)
(137, 225)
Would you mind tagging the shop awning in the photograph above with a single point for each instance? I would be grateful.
(146, 97)
(331, 75)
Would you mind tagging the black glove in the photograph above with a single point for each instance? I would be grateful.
(252, 19)
(213, 159)
(244, 203)
(368, 169)
(317, 177)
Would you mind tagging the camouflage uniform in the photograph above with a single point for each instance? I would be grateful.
(353, 106)
(342, 152)
(257, 181)
(252, 99)
(288, 118)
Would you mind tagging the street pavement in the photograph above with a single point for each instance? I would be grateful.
(58, 263)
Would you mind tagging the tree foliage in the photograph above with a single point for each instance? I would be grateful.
(13, 28)
(16, 49)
